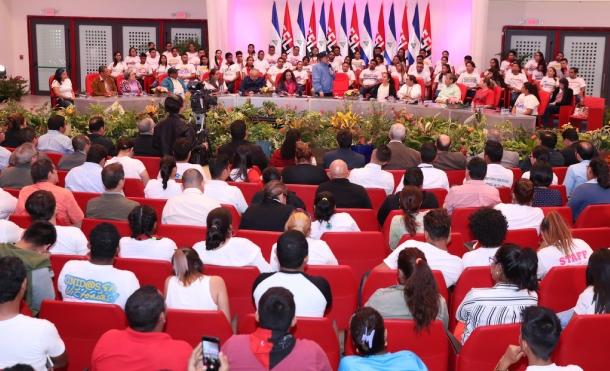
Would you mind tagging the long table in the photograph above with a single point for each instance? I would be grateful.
(364, 107)
(129, 103)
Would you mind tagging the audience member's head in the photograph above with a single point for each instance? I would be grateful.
(413, 177)
(303, 153)
(555, 232)
(113, 177)
(540, 153)
(324, 206)
(397, 132)
(146, 126)
(125, 146)
(238, 130)
(173, 103)
(523, 192)
(598, 170)
(142, 222)
(569, 136)
(187, 265)
(344, 138)
(41, 205)
(96, 125)
(97, 154)
(516, 266)
(81, 143)
(288, 148)
(548, 139)
(56, 122)
(437, 225)
(299, 221)
(43, 170)
(410, 200)
(276, 310)
(271, 173)
(476, 168)
(292, 250)
(443, 142)
(598, 276)
(427, 152)
(541, 174)
(145, 310)
(192, 178)
(182, 149)
(28, 135)
(104, 243)
(488, 226)
(24, 154)
(585, 151)
(219, 229)
(493, 152)
(219, 167)
(338, 170)
(368, 331)
(540, 330)
(275, 190)
(39, 236)
(12, 279)
(381, 155)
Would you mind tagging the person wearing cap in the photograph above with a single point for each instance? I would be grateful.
(322, 77)
(173, 84)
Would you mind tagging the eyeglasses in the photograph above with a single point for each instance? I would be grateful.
(492, 260)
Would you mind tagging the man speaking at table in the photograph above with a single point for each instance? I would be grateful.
(322, 77)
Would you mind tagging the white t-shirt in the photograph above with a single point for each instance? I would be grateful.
(117, 70)
(450, 265)
(301, 76)
(551, 256)
(85, 178)
(585, 303)
(185, 71)
(554, 367)
(515, 81)
(193, 58)
(261, 66)
(383, 91)
(370, 78)
(338, 222)
(521, 216)
(274, 70)
(372, 176)
(70, 241)
(8, 203)
(143, 69)
(409, 92)
(191, 207)
(65, 88)
(548, 84)
(9, 231)
(80, 280)
(525, 102)
(131, 166)
(153, 62)
(424, 75)
(433, 178)
(152, 248)
(479, 257)
(576, 84)
(319, 253)
(131, 62)
(224, 193)
(154, 189)
(230, 73)
(29, 341)
(235, 252)
(526, 175)
(471, 80)
(357, 64)
(173, 61)
(499, 176)
(196, 296)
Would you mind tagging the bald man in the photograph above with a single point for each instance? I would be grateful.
(445, 159)
(347, 194)
(191, 207)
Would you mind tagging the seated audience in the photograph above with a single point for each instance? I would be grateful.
(513, 270)
(548, 139)
(595, 191)
(327, 219)
(285, 155)
(143, 244)
(542, 176)
(18, 175)
(539, 153)
(304, 172)
(402, 157)
(239, 132)
(474, 192)
(173, 84)
(24, 339)
(88, 176)
(416, 296)
(142, 345)
(218, 189)
(251, 84)
(272, 173)
(344, 152)
(272, 213)
(346, 193)
(130, 84)
(497, 175)
(386, 89)
(81, 145)
(445, 159)
(433, 178)
(510, 159)
(411, 222)
(570, 143)
(143, 143)
(191, 206)
(558, 247)
(527, 102)
(112, 204)
(595, 299)
(488, 228)
(172, 127)
(54, 140)
(97, 135)
(104, 86)
(45, 178)
(32, 249)
(410, 91)
(319, 251)
(244, 169)
(370, 338)
(165, 186)
(370, 78)
(312, 294)
(182, 150)
(521, 214)
(437, 231)
(96, 280)
(450, 93)
(190, 289)
(577, 174)
(12, 136)
(276, 347)
(562, 96)
(222, 248)
(371, 175)
(133, 168)
(8, 203)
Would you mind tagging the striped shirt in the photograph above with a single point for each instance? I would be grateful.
(501, 304)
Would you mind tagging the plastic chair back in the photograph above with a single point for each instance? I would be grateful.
(365, 218)
(459, 221)
(307, 193)
(362, 251)
(191, 325)
(594, 216)
(151, 164)
(239, 282)
(121, 226)
(564, 211)
(182, 235)
(148, 272)
(584, 342)
(263, 239)
(597, 238)
(156, 203)
(463, 90)
(486, 345)
(133, 187)
(560, 171)
(82, 198)
(377, 196)
(470, 278)
(455, 177)
(527, 237)
(561, 286)
(89, 82)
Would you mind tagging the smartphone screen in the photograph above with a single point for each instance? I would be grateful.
(211, 348)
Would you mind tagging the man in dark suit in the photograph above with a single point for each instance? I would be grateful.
(252, 84)
(172, 127)
(344, 152)
(81, 144)
(272, 213)
(272, 173)
(96, 135)
(570, 141)
(143, 143)
(112, 204)
(347, 195)
(403, 157)
(548, 140)
(446, 160)
(304, 172)
(238, 137)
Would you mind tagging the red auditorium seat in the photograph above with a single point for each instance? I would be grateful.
(562, 189)
(459, 221)
(307, 193)
(191, 325)
(597, 238)
(83, 197)
(156, 203)
(362, 251)
(182, 235)
(14, 192)
(456, 177)
(151, 164)
(61, 178)
(439, 193)
(584, 342)
(80, 325)
(380, 278)
(523, 237)
(485, 347)
(239, 282)
(365, 218)
(344, 290)
(133, 187)
(121, 225)
(431, 345)
(560, 171)
(22, 221)
(377, 197)
(235, 216)
(516, 174)
(248, 189)
(89, 82)
(470, 278)
(564, 211)
(561, 286)
(456, 245)
(340, 84)
(463, 90)
(506, 194)
(148, 272)
(263, 239)
(594, 216)
(319, 330)
(397, 174)
(57, 264)
(54, 157)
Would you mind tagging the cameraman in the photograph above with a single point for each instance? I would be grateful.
(172, 127)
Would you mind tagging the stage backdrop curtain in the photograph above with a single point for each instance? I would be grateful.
(218, 25)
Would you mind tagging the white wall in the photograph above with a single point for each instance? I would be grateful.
(6, 35)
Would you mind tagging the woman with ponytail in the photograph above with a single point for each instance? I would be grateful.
(327, 219)
(416, 296)
(513, 269)
(369, 337)
(190, 289)
(595, 191)
(221, 248)
(596, 297)
(412, 220)
(142, 244)
(165, 186)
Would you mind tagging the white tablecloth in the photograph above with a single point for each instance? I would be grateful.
(135, 104)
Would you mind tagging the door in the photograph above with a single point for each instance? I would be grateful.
(51, 52)
(588, 53)
(184, 32)
(138, 37)
(527, 42)
(94, 49)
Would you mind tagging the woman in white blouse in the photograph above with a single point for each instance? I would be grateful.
(62, 88)
(558, 247)
(166, 186)
(189, 289)
(132, 59)
(163, 66)
(117, 67)
(357, 62)
(527, 103)
(220, 248)
(596, 297)
(143, 244)
(410, 91)
(319, 251)
(132, 167)
(549, 82)
(327, 220)
(532, 65)
(520, 214)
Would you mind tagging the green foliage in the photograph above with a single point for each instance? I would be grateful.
(13, 88)
(183, 46)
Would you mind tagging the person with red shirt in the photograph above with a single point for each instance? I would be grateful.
(285, 155)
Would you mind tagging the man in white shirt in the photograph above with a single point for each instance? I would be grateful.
(271, 57)
(55, 140)
(370, 78)
(8, 203)
(577, 84)
(421, 73)
(24, 339)
(182, 154)
(437, 231)
(168, 50)
(497, 175)
(192, 206)
(186, 71)
(230, 71)
(371, 175)
(275, 70)
(577, 173)
(351, 76)
(433, 178)
(143, 68)
(174, 58)
(96, 280)
(295, 56)
(152, 58)
(488, 227)
(219, 190)
(88, 176)
(260, 63)
(312, 295)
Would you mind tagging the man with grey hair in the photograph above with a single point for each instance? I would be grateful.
(347, 194)
(191, 207)
(403, 157)
(143, 143)
(510, 159)
(81, 144)
(445, 159)
(18, 174)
